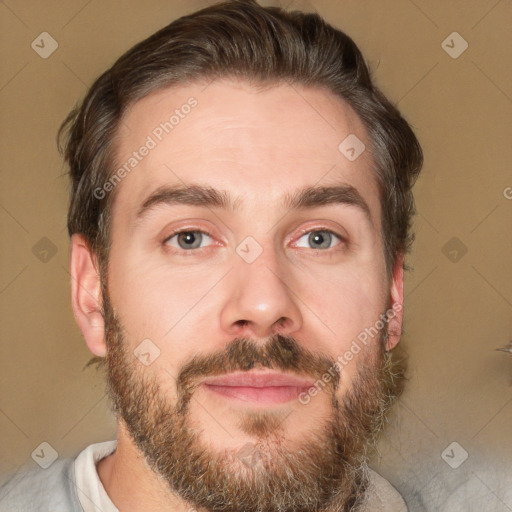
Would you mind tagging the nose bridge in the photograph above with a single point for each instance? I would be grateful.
(261, 300)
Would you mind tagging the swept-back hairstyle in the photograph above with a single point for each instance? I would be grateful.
(263, 45)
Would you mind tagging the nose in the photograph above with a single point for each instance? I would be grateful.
(261, 301)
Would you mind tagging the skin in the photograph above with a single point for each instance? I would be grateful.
(257, 145)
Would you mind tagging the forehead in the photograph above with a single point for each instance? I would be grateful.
(260, 144)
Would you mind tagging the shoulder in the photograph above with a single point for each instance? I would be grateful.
(39, 489)
(382, 496)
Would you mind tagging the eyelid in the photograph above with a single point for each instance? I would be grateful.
(178, 231)
(192, 224)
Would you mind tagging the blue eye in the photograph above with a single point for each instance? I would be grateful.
(319, 239)
(187, 240)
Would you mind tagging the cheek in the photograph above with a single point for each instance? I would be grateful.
(347, 302)
(137, 299)
(348, 305)
(169, 306)
(149, 295)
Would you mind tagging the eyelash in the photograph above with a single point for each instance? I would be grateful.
(198, 251)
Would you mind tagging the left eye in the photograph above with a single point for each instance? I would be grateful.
(188, 239)
(319, 239)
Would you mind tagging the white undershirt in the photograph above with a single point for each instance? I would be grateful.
(91, 493)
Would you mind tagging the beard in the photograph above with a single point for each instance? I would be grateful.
(326, 471)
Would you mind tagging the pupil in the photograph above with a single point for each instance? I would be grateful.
(189, 239)
(319, 238)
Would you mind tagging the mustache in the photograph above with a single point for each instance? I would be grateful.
(243, 354)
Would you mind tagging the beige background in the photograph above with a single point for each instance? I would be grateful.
(457, 313)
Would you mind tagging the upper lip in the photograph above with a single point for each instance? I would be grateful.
(258, 380)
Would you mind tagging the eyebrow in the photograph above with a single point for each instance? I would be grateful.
(209, 197)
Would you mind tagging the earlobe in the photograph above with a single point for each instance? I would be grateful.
(86, 295)
(396, 313)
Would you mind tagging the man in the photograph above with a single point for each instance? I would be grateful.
(240, 212)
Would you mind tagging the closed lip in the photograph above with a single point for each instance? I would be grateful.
(258, 380)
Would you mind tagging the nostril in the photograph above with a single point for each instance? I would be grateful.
(280, 323)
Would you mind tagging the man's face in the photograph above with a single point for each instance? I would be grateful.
(256, 285)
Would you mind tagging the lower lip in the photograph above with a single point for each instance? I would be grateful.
(267, 395)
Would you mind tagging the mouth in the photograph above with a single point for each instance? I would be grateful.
(265, 388)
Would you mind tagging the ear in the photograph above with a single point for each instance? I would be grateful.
(396, 298)
(86, 295)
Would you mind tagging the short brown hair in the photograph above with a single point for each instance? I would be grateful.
(263, 45)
